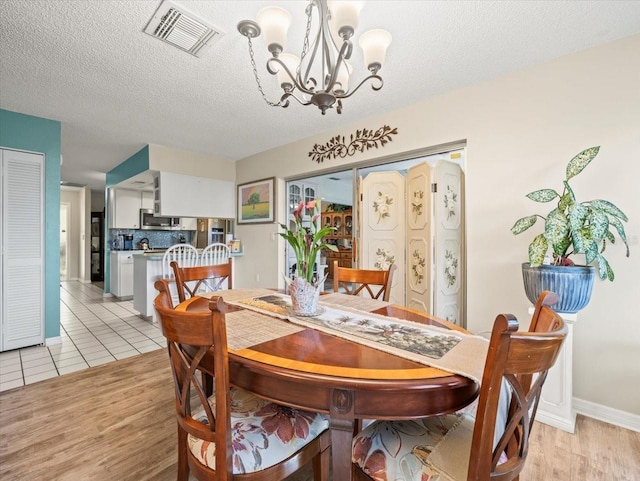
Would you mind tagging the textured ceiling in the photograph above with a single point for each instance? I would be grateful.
(88, 64)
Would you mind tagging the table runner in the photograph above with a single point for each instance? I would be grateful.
(452, 351)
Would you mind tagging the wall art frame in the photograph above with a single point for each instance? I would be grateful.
(256, 202)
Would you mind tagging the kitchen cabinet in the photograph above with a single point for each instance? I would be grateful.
(188, 223)
(178, 195)
(344, 258)
(124, 208)
(299, 192)
(121, 264)
(342, 222)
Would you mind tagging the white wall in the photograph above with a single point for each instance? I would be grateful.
(97, 201)
(521, 130)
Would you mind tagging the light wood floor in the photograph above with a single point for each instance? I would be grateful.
(117, 422)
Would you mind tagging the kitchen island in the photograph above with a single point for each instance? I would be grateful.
(147, 269)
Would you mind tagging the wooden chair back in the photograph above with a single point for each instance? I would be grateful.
(184, 254)
(164, 297)
(190, 337)
(197, 345)
(216, 253)
(190, 280)
(544, 318)
(517, 357)
(355, 281)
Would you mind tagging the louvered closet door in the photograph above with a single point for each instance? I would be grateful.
(22, 249)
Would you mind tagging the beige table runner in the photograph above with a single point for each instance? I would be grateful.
(451, 351)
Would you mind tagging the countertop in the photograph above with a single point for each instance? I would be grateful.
(157, 255)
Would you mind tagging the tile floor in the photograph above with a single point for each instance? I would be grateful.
(94, 331)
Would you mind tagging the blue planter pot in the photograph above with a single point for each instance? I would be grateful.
(573, 284)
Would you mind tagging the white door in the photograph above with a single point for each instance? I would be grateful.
(382, 234)
(449, 238)
(65, 212)
(419, 237)
(22, 249)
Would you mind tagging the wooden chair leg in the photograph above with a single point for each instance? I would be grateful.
(183, 464)
(322, 461)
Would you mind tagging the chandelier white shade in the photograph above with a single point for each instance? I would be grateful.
(321, 75)
(275, 23)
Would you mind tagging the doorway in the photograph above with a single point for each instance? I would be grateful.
(65, 216)
(434, 245)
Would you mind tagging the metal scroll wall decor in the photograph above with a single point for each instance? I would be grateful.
(361, 140)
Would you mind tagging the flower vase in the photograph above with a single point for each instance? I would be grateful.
(304, 296)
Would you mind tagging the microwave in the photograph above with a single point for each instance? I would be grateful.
(149, 221)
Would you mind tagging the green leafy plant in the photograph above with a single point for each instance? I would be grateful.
(307, 242)
(574, 227)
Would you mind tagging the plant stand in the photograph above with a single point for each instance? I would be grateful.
(556, 401)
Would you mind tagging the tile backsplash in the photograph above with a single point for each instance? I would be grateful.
(158, 239)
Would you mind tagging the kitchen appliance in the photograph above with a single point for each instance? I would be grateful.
(210, 231)
(150, 222)
(143, 244)
(127, 243)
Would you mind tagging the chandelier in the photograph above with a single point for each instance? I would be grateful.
(322, 74)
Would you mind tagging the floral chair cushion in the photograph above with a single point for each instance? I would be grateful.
(262, 433)
(428, 449)
(399, 450)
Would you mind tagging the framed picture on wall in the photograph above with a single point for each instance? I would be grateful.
(256, 201)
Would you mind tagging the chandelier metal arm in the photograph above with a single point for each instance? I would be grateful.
(294, 80)
(345, 54)
(300, 101)
(373, 86)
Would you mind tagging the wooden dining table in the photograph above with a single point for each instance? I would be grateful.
(316, 371)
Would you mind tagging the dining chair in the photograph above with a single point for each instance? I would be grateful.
(191, 280)
(355, 281)
(216, 253)
(232, 435)
(493, 443)
(184, 254)
(164, 293)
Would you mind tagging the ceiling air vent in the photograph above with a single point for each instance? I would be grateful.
(177, 26)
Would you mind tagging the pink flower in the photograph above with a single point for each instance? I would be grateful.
(298, 210)
(311, 204)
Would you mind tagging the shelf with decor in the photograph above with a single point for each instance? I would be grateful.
(341, 221)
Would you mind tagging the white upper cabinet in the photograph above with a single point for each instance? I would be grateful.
(125, 205)
(179, 195)
(188, 223)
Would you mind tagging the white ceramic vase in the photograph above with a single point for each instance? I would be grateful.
(304, 296)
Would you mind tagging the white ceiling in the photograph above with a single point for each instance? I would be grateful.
(88, 64)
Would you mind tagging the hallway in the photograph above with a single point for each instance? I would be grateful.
(94, 330)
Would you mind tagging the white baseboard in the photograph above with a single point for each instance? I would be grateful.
(50, 341)
(558, 422)
(608, 415)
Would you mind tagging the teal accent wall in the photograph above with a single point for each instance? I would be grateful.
(134, 165)
(35, 134)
